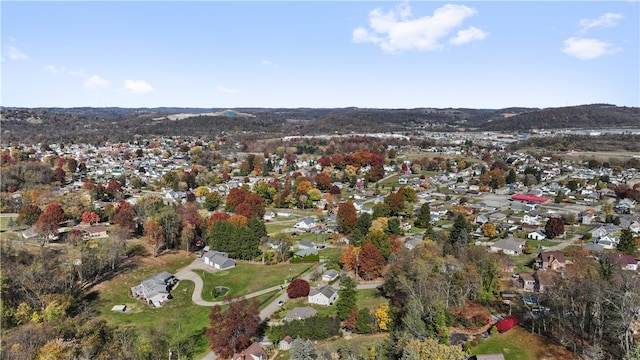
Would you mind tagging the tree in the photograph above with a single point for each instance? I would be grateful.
(29, 214)
(298, 288)
(90, 217)
(155, 237)
(235, 197)
(554, 227)
(627, 244)
(423, 220)
(488, 230)
(511, 176)
(346, 217)
(383, 318)
(232, 331)
(349, 257)
(302, 350)
(364, 223)
(59, 175)
(364, 321)
(458, 240)
(346, 298)
(124, 217)
(352, 320)
(49, 221)
(371, 262)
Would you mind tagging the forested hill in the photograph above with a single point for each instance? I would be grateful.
(93, 125)
(585, 116)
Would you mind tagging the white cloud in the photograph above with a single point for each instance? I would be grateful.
(587, 49)
(137, 86)
(606, 20)
(95, 82)
(269, 63)
(225, 89)
(398, 30)
(61, 70)
(16, 54)
(468, 35)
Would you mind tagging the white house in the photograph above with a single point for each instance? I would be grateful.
(509, 246)
(536, 235)
(325, 295)
(306, 224)
(218, 260)
(330, 275)
(530, 220)
(155, 290)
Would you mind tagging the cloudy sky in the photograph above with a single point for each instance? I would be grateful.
(222, 54)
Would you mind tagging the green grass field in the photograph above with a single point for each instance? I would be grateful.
(519, 344)
(248, 278)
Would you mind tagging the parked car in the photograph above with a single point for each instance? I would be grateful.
(281, 302)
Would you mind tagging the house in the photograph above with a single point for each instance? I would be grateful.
(536, 235)
(306, 244)
(627, 262)
(300, 313)
(94, 232)
(412, 242)
(481, 219)
(635, 227)
(531, 220)
(325, 295)
(219, 260)
(527, 282)
(285, 343)
(330, 275)
(155, 290)
(306, 224)
(509, 246)
(253, 352)
(269, 215)
(550, 260)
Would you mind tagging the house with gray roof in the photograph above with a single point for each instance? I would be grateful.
(330, 275)
(155, 290)
(218, 260)
(325, 295)
(509, 246)
(300, 313)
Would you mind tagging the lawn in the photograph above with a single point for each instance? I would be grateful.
(534, 244)
(370, 298)
(247, 278)
(519, 344)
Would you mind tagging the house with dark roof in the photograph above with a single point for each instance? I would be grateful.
(218, 260)
(626, 262)
(255, 351)
(155, 290)
(325, 295)
(550, 260)
(527, 282)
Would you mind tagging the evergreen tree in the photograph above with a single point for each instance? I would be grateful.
(346, 298)
(364, 321)
(627, 244)
(356, 237)
(423, 220)
(458, 240)
(364, 223)
(511, 176)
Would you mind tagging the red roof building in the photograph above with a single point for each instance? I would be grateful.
(530, 198)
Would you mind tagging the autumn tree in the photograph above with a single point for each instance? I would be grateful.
(124, 217)
(155, 237)
(49, 221)
(488, 230)
(371, 262)
(351, 321)
(554, 227)
(383, 317)
(90, 217)
(430, 349)
(346, 217)
(349, 257)
(232, 331)
(29, 214)
(298, 288)
(235, 197)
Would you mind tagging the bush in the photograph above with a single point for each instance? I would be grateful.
(507, 323)
(308, 258)
(480, 320)
(298, 288)
(493, 330)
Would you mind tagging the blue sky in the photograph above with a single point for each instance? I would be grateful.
(223, 54)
